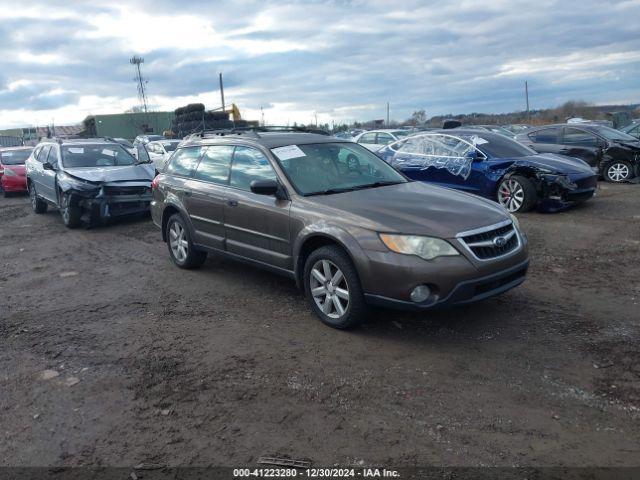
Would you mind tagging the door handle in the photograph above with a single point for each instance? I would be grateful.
(232, 203)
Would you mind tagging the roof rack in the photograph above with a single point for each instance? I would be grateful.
(254, 131)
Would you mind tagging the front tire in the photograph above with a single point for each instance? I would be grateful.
(37, 204)
(517, 194)
(181, 249)
(333, 289)
(69, 211)
(618, 171)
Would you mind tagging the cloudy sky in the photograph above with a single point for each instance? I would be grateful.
(342, 60)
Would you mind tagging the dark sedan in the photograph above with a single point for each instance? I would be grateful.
(613, 154)
(494, 166)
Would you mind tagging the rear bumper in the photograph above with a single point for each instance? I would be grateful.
(465, 292)
(13, 183)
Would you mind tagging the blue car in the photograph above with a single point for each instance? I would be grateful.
(495, 167)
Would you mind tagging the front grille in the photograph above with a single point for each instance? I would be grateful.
(485, 244)
(127, 190)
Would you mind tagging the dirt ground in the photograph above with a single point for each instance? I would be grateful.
(110, 355)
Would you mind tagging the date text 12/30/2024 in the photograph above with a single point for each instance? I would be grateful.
(315, 473)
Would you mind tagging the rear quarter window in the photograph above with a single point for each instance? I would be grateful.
(184, 161)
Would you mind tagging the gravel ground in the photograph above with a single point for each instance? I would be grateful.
(112, 356)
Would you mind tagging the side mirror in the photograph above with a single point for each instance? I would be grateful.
(47, 166)
(473, 156)
(265, 187)
(142, 154)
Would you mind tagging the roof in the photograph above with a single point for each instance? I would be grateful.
(84, 141)
(20, 147)
(268, 139)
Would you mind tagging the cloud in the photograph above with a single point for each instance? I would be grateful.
(337, 60)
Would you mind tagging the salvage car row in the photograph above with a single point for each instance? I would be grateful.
(352, 228)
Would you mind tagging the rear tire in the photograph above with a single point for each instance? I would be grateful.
(618, 171)
(70, 211)
(517, 194)
(37, 204)
(332, 287)
(181, 249)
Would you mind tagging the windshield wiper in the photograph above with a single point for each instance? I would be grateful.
(375, 185)
(329, 191)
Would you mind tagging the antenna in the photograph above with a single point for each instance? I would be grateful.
(136, 61)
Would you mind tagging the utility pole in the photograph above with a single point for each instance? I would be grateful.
(262, 115)
(526, 93)
(387, 114)
(221, 91)
(142, 94)
(315, 114)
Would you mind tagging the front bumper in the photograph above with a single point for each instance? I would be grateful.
(103, 203)
(563, 192)
(465, 292)
(388, 278)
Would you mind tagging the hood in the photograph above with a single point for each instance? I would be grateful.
(557, 163)
(633, 145)
(413, 208)
(141, 172)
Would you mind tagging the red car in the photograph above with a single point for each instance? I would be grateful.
(12, 170)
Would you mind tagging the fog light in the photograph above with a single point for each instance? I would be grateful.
(420, 293)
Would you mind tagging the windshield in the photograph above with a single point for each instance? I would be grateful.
(500, 146)
(170, 146)
(15, 157)
(612, 134)
(97, 155)
(325, 168)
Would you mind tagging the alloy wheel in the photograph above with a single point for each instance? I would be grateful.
(618, 172)
(329, 289)
(178, 242)
(511, 195)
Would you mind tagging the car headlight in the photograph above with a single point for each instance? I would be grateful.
(516, 222)
(75, 183)
(424, 247)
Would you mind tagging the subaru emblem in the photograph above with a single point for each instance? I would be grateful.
(499, 241)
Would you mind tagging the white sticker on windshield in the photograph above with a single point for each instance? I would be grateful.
(290, 151)
(478, 140)
(76, 150)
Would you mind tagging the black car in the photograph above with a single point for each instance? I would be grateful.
(611, 153)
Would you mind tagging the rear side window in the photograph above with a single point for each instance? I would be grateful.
(215, 164)
(546, 135)
(249, 164)
(184, 162)
(385, 139)
(368, 138)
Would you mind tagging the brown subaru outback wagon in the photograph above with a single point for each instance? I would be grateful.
(348, 228)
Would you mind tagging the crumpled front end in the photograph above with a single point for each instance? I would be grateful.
(101, 202)
(558, 192)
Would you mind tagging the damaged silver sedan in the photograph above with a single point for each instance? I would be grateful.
(89, 180)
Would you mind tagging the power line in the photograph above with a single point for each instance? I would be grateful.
(142, 94)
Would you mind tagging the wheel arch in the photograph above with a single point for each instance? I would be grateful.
(312, 242)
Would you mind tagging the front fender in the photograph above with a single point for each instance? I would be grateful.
(350, 239)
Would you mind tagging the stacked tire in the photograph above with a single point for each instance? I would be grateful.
(194, 118)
